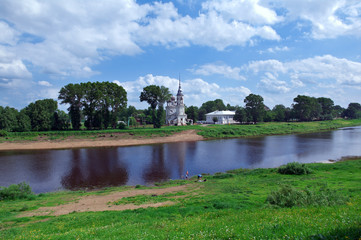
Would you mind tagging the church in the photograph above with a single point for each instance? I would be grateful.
(175, 113)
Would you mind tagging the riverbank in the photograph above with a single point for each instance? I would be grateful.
(143, 136)
(115, 140)
(238, 204)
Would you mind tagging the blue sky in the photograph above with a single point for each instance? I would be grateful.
(223, 49)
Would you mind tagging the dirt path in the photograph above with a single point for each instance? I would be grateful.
(101, 203)
(189, 135)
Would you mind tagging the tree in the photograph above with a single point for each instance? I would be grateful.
(8, 119)
(73, 94)
(192, 113)
(41, 114)
(337, 111)
(306, 108)
(255, 107)
(279, 113)
(61, 120)
(353, 111)
(241, 115)
(327, 108)
(211, 106)
(202, 114)
(151, 94)
(215, 120)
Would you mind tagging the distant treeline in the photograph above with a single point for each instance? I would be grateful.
(103, 105)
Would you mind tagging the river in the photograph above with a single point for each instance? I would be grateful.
(52, 170)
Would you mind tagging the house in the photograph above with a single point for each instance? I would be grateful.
(223, 117)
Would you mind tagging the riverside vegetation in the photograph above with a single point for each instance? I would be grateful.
(321, 201)
(208, 132)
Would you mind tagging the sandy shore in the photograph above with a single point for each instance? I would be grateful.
(184, 136)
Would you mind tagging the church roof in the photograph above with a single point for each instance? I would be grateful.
(180, 93)
(218, 113)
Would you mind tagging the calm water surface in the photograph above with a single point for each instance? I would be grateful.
(51, 170)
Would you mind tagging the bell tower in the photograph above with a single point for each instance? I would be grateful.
(180, 94)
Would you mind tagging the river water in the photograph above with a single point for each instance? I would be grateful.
(52, 170)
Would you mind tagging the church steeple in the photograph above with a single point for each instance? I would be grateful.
(180, 94)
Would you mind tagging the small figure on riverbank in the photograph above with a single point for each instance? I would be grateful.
(199, 177)
(187, 175)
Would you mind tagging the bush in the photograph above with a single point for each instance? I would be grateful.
(294, 168)
(122, 125)
(288, 197)
(16, 191)
(3, 133)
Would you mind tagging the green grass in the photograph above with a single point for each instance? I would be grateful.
(231, 205)
(208, 132)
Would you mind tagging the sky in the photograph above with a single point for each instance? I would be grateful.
(220, 49)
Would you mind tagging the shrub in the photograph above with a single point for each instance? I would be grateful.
(16, 191)
(3, 133)
(122, 125)
(294, 168)
(288, 196)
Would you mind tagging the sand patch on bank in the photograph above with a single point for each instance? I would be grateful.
(183, 136)
(96, 203)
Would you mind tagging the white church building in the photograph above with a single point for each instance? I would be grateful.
(175, 113)
(223, 117)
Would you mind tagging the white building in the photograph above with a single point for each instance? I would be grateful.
(223, 117)
(175, 113)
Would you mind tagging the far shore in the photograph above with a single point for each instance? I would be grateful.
(184, 136)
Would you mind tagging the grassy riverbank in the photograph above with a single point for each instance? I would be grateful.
(208, 132)
(230, 205)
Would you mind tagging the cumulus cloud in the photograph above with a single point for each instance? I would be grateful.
(250, 11)
(270, 83)
(196, 91)
(69, 37)
(324, 71)
(220, 68)
(328, 18)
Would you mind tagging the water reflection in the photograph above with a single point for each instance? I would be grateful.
(94, 168)
(50, 170)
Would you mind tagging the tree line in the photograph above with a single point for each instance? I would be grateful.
(103, 105)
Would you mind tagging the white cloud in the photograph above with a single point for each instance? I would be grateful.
(69, 37)
(270, 83)
(8, 35)
(196, 91)
(44, 83)
(220, 68)
(250, 11)
(328, 18)
(13, 69)
(275, 50)
(321, 72)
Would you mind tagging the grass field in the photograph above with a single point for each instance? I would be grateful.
(230, 205)
(208, 132)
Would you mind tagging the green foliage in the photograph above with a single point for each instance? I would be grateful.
(294, 168)
(100, 102)
(307, 108)
(255, 107)
(3, 133)
(288, 196)
(353, 111)
(41, 114)
(16, 191)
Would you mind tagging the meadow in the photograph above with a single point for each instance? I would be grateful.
(323, 201)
